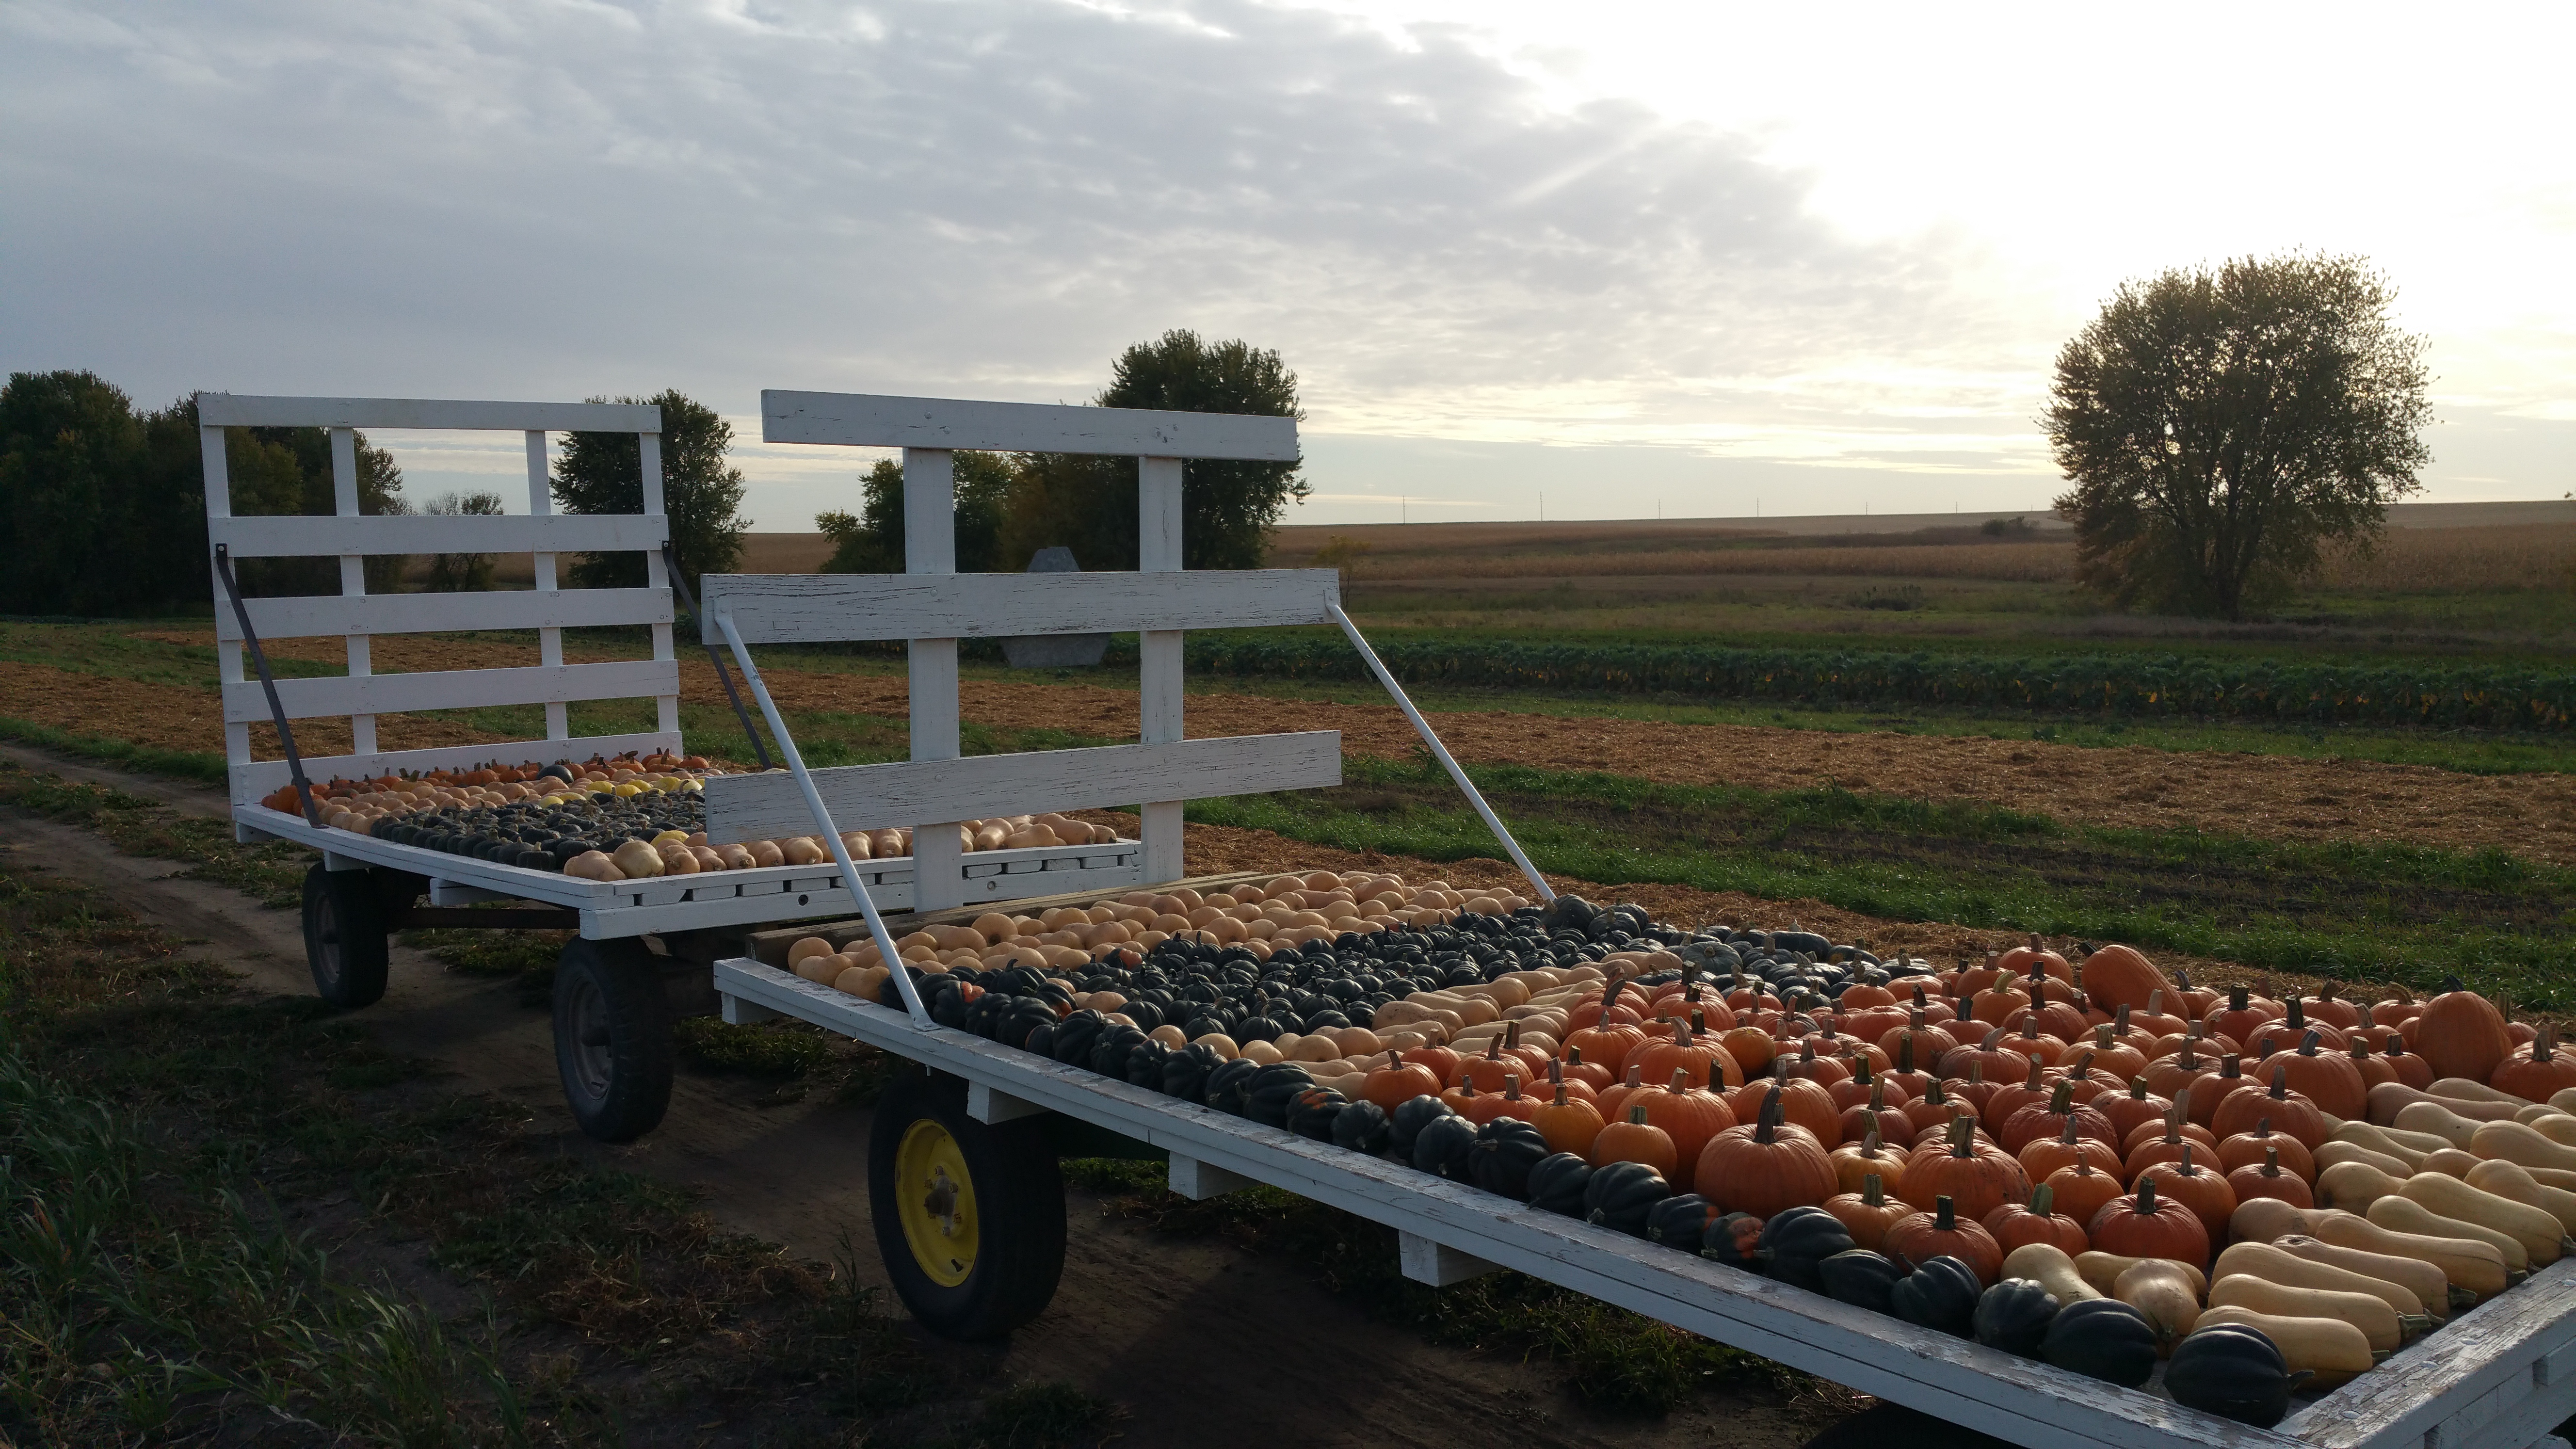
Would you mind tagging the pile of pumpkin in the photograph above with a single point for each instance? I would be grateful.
(2103, 1167)
(627, 818)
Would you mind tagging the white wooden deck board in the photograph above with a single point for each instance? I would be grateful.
(317, 616)
(1955, 1379)
(870, 420)
(816, 608)
(454, 689)
(256, 778)
(291, 535)
(250, 410)
(754, 807)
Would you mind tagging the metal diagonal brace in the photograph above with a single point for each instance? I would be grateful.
(1441, 751)
(268, 684)
(831, 836)
(671, 571)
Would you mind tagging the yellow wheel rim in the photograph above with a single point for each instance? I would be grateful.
(936, 1199)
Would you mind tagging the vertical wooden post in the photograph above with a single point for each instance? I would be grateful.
(541, 502)
(1158, 677)
(353, 575)
(930, 547)
(656, 575)
(228, 657)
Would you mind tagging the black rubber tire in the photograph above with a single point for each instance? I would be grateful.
(612, 1038)
(1019, 1204)
(345, 940)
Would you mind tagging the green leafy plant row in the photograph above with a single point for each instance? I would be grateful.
(2099, 683)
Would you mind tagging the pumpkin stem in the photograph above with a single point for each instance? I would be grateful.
(1637, 1114)
(2137, 1089)
(1560, 1095)
(1872, 1192)
(2061, 1102)
(2308, 1043)
(2066, 1129)
(1511, 1087)
(2239, 998)
(1766, 1125)
(2032, 1082)
(2043, 1200)
(2182, 1101)
(2187, 1169)
(2297, 1020)
(2146, 1197)
(2280, 1084)
(1877, 1098)
(1636, 1075)
(1945, 1215)
(1574, 1056)
(1869, 1144)
(1961, 1136)
(1681, 1079)
(2271, 1162)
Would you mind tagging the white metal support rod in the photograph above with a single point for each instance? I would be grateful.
(1441, 751)
(832, 837)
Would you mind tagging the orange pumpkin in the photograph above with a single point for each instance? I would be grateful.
(2538, 1074)
(2327, 1078)
(1568, 1124)
(2081, 1190)
(2291, 1112)
(1398, 1082)
(1875, 1115)
(1976, 1174)
(2117, 976)
(1803, 1102)
(2252, 1148)
(2036, 1221)
(2060, 1112)
(2271, 1178)
(1635, 1140)
(1690, 1115)
(2461, 1034)
(2128, 1111)
(1868, 1213)
(2023, 960)
(1764, 1166)
(1868, 1157)
(1943, 1231)
(2145, 1224)
(1580, 1068)
(2286, 1033)
(2205, 1192)
(2042, 1156)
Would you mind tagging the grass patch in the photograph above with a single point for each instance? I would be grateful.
(271, 873)
(203, 766)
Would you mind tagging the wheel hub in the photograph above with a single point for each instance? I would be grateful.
(936, 1199)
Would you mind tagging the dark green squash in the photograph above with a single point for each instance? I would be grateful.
(1040, 1041)
(1311, 1112)
(2234, 1372)
(1185, 1072)
(1679, 1222)
(1023, 1014)
(1443, 1144)
(1621, 1194)
(1361, 1127)
(1409, 1119)
(1145, 1063)
(1228, 1084)
(1940, 1295)
(1505, 1151)
(2102, 1338)
(2014, 1316)
(1861, 1278)
(1273, 1088)
(1797, 1239)
(1556, 1183)
(1110, 1048)
(1076, 1035)
(1735, 1240)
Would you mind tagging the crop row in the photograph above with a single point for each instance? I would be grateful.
(2103, 683)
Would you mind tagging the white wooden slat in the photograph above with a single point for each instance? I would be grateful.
(657, 570)
(256, 778)
(1160, 700)
(820, 608)
(1952, 1378)
(353, 576)
(758, 807)
(541, 501)
(246, 410)
(455, 689)
(318, 615)
(304, 535)
(872, 421)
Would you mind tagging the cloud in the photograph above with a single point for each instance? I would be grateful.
(553, 198)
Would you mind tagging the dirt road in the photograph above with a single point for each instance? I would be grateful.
(1180, 1332)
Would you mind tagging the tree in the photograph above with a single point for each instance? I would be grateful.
(871, 542)
(2221, 428)
(287, 471)
(1228, 508)
(69, 446)
(456, 573)
(604, 473)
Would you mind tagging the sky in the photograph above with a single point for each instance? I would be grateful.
(1600, 260)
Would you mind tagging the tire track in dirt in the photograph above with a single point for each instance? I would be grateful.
(2264, 796)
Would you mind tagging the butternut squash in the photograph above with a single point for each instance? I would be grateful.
(2268, 1219)
(2160, 1289)
(2505, 1179)
(2438, 1119)
(2471, 1264)
(2365, 1311)
(2047, 1265)
(2450, 1162)
(2405, 1215)
(2103, 1270)
(2552, 1123)
(2354, 1186)
(2466, 1090)
(2432, 1290)
(2329, 1348)
(2538, 1232)
(2564, 1099)
(2340, 1151)
(2277, 1264)
(2385, 1141)
(2388, 1099)
(2518, 1143)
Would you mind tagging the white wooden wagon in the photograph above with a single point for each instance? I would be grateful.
(962, 1172)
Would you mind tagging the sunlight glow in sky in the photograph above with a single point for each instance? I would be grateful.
(1633, 256)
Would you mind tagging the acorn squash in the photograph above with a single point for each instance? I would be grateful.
(1940, 1295)
(1861, 1278)
(2234, 1372)
(1795, 1240)
(2102, 1338)
(1621, 1194)
(2014, 1316)
(1556, 1183)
